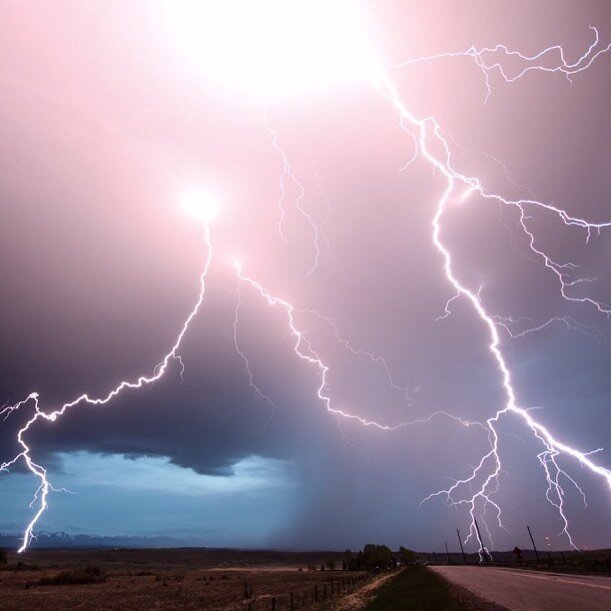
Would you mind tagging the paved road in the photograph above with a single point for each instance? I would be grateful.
(522, 590)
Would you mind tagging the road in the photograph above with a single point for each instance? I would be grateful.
(523, 590)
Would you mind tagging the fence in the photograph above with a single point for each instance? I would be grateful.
(294, 599)
(546, 559)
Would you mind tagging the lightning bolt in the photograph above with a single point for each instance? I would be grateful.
(365, 354)
(251, 379)
(425, 133)
(305, 351)
(482, 482)
(508, 323)
(41, 494)
(288, 175)
(533, 63)
(485, 475)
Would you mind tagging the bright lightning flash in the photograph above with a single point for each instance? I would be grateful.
(272, 49)
(201, 204)
(242, 45)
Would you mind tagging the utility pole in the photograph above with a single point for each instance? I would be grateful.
(461, 547)
(533, 542)
(479, 536)
(448, 553)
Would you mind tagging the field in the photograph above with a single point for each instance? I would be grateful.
(214, 579)
(174, 579)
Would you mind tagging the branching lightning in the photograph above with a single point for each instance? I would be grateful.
(288, 176)
(251, 379)
(305, 351)
(508, 323)
(486, 474)
(426, 133)
(26, 453)
(475, 491)
(533, 63)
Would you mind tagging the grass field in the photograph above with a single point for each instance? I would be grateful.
(417, 588)
(173, 579)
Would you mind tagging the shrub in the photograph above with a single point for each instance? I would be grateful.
(372, 557)
(407, 556)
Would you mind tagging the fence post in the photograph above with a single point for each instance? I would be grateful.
(292, 604)
(273, 603)
(316, 593)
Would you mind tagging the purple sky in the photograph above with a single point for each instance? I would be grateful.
(105, 121)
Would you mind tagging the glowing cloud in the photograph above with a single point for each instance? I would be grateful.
(201, 204)
(273, 48)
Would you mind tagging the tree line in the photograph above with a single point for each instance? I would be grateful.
(373, 557)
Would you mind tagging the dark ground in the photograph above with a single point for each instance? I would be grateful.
(186, 578)
(215, 579)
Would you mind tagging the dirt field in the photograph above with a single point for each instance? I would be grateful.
(173, 579)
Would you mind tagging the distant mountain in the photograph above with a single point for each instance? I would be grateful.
(45, 540)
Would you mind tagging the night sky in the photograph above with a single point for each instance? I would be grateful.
(105, 120)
